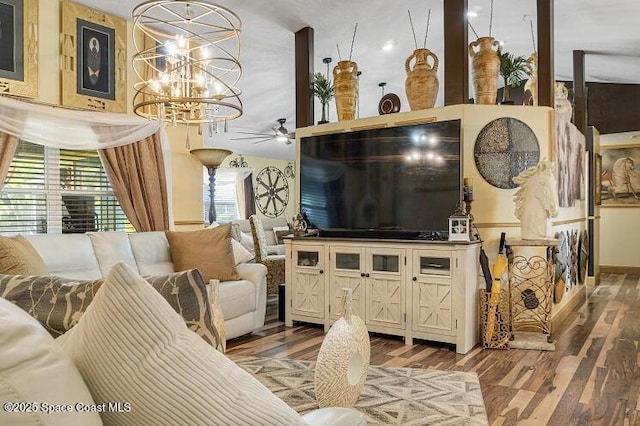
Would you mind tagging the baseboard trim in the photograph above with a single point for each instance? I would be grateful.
(567, 309)
(609, 269)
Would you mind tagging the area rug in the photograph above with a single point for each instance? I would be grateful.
(391, 396)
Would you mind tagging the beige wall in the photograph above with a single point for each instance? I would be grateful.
(619, 226)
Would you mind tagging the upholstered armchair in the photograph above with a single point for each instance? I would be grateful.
(273, 262)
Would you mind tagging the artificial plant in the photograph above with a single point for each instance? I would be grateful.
(323, 90)
(513, 70)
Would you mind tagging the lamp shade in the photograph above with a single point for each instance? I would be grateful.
(211, 157)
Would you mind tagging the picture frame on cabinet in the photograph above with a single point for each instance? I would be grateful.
(94, 59)
(19, 48)
(620, 175)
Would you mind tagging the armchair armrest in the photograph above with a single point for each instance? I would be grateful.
(256, 273)
(335, 416)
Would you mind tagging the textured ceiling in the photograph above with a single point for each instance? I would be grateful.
(607, 31)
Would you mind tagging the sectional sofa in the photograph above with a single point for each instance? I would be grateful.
(90, 256)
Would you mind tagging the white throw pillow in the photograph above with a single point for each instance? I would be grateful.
(131, 346)
(240, 254)
(36, 375)
(247, 242)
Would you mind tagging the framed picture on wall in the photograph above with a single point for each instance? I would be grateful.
(94, 59)
(620, 175)
(19, 47)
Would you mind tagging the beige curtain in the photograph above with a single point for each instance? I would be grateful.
(8, 147)
(137, 175)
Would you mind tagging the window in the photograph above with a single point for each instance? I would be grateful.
(50, 190)
(226, 198)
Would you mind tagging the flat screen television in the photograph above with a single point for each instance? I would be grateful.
(395, 182)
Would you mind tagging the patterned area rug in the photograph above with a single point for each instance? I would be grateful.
(391, 396)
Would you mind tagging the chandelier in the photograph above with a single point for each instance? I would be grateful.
(187, 63)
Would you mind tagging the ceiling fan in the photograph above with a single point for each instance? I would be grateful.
(280, 133)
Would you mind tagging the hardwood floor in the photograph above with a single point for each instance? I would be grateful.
(593, 377)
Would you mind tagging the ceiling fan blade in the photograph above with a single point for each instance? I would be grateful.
(255, 133)
(251, 137)
(263, 140)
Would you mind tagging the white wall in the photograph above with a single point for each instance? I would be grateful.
(620, 226)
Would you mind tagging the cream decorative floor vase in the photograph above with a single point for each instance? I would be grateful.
(343, 360)
(216, 313)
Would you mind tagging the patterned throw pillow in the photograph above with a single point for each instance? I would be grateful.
(186, 292)
(57, 303)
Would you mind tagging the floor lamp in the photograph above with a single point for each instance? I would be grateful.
(211, 158)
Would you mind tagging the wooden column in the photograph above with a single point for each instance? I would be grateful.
(456, 53)
(546, 89)
(304, 76)
(579, 93)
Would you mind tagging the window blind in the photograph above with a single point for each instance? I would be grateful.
(51, 191)
(226, 199)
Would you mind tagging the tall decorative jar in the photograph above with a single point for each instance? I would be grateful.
(531, 86)
(343, 360)
(421, 84)
(485, 68)
(345, 85)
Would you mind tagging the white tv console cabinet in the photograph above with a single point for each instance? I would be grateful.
(415, 289)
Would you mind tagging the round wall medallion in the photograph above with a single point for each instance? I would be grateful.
(504, 148)
(272, 192)
(389, 104)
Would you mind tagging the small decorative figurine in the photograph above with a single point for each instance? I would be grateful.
(300, 224)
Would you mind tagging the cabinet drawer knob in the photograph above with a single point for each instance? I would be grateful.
(362, 274)
(366, 275)
(414, 279)
(322, 271)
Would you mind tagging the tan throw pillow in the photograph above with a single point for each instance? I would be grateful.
(208, 250)
(18, 257)
(131, 346)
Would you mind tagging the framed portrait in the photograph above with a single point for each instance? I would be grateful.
(94, 59)
(620, 175)
(19, 47)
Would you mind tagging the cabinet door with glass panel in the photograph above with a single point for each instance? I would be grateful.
(347, 270)
(308, 283)
(384, 272)
(431, 289)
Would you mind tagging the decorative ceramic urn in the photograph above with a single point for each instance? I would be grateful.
(345, 85)
(421, 84)
(485, 68)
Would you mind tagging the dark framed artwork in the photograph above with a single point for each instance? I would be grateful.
(620, 178)
(94, 59)
(18, 47)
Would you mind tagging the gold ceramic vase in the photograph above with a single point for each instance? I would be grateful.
(345, 85)
(485, 68)
(531, 86)
(421, 84)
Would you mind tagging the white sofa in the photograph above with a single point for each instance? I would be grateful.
(91, 256)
